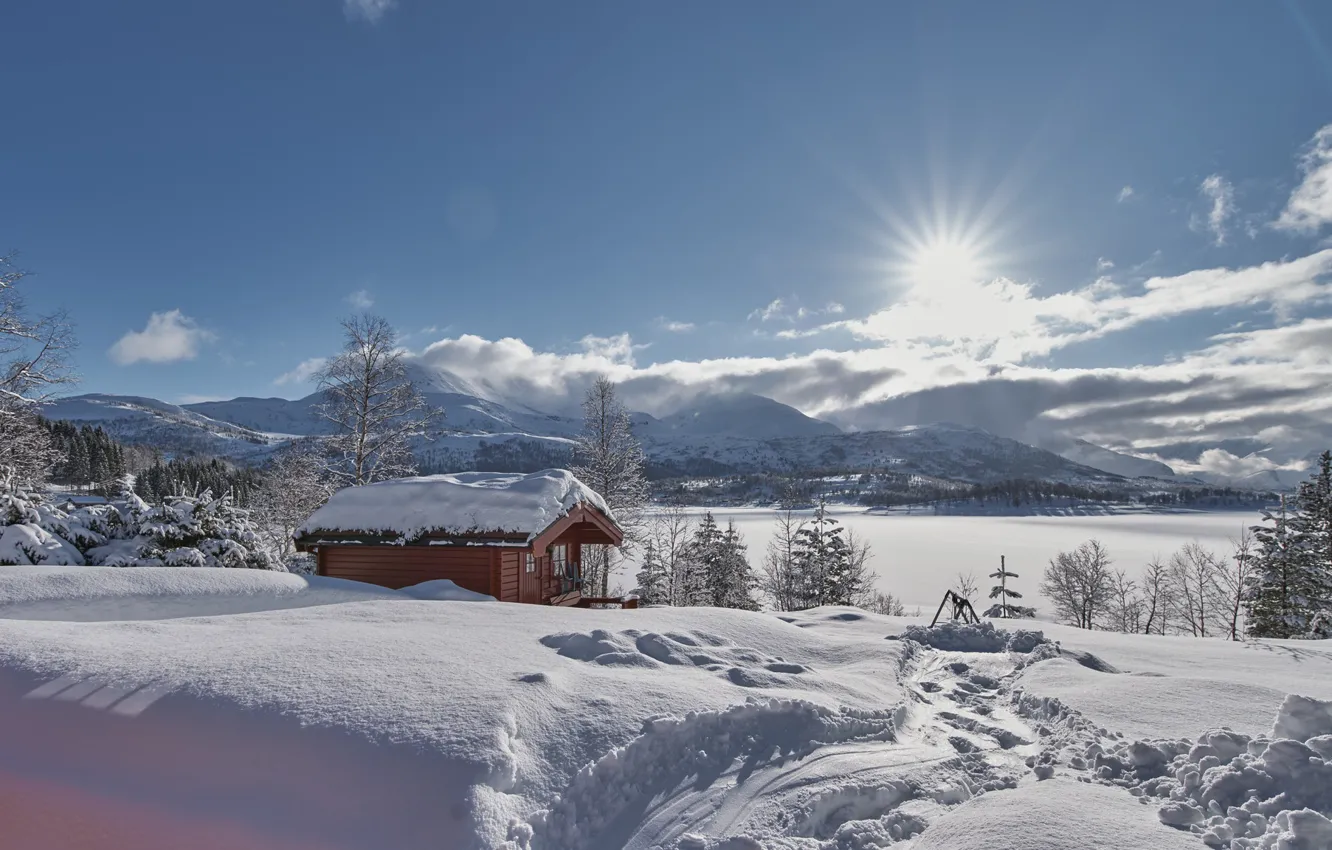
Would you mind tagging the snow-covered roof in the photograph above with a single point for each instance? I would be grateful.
(462, 503)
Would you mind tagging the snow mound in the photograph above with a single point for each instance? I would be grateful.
(443, 590)
(1238, 791)
(1054, 815)
(458, 503)
(89, 594)
(952, 636)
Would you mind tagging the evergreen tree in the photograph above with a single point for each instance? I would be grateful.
(1004, 593)
(1290, 592)
(654, 579)
(729, 577)
(703, 560)
(822, 562)
(202, 531)
(1311, 538)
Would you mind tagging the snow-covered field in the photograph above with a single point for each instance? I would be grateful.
(917, 556)
(322, 714)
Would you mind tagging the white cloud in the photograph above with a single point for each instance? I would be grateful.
(167, 338)
(369, 11)
(361, 300)
(1222, 462)
(776, 309)
(1310, 205)
(191, 398)
(1218, 192)
(1125, 194)
(304, 371)
(780, 309)
(675, 327)
(1104, 265)
(1002, 321)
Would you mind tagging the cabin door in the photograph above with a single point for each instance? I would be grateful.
(529, 580)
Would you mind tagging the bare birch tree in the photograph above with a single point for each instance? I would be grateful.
(1194, 574)
(1156, 598)
(376, 408)
(1234, 579)
(34, 363)
(780, 579)
(295, 484)
(1125, 607)
(1079, 584)
(610, 460)
(669, 533)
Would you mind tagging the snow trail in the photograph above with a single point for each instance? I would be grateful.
(787, 773)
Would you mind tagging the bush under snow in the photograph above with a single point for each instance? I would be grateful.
(187, 531)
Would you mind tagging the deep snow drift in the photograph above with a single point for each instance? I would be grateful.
(307, 713)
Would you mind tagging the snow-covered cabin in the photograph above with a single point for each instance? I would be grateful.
(516, 537)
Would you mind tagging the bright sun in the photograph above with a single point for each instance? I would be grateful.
(945, 262)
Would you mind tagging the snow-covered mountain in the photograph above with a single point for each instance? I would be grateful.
(734, 414)
(713, 435)
(174, 429)
(1117, 463)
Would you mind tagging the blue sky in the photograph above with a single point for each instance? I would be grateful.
(854, 207)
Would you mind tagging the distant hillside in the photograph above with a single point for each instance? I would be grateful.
(1108, 460)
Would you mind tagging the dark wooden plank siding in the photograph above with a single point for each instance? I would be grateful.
(510, 564)
(401, 566)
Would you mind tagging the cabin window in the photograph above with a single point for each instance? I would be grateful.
(531, 562)
(559, 559)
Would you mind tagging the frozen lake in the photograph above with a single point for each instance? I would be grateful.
(917, 556)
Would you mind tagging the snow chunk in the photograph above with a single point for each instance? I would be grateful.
(443, 590)
(964, 637)
(1301, 718)
(458, 503)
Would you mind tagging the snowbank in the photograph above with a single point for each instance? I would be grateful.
(981, 637)
(1145, 706)
(1057, 815)
(443, 590)
(1238, 791)
(156, 593)
(543, 728)
(460, 503)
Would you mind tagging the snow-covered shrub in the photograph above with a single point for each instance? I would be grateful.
(202, 531)
(187, 532)
(32, 531)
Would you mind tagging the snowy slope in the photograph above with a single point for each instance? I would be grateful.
(734, 414)
(134, 419)
(1116, 463)
(466, 725)
(943, 451)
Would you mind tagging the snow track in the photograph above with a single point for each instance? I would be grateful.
(790, 774)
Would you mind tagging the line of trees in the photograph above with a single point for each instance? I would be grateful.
(1275, 582)
(1194, 592)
